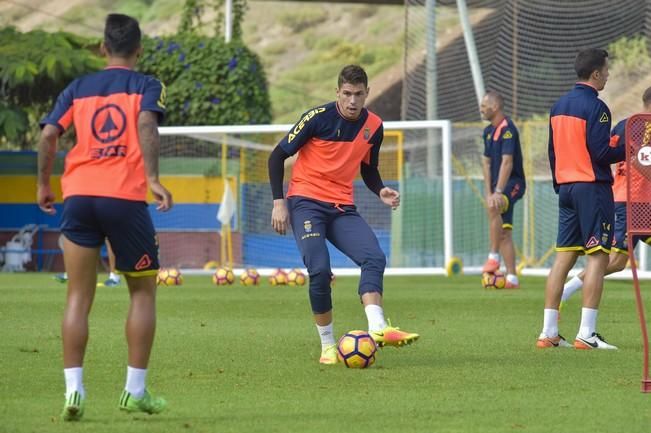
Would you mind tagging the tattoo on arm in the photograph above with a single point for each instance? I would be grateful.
(47, 145)
(149, 142)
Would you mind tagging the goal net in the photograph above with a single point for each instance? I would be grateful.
(526, 51)
(197, 163)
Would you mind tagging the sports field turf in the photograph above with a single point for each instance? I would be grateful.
(244, 359)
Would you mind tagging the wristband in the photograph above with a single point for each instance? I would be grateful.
(499, 191)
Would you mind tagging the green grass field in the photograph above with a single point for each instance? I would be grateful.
(244, 359)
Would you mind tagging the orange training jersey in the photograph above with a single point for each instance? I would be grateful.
(331, 150)
(106, 160)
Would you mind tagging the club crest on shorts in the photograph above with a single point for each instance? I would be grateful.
(307, 226)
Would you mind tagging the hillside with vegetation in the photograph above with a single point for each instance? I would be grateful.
(302, 46)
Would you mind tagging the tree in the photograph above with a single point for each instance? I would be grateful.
(209, 82)
(34, 68)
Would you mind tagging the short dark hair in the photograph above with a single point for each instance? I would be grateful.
(352, 74)
(588, 61)
(121, 35)
(492, 94)
(646, 96)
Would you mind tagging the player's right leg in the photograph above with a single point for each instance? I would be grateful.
(309, 220)
(492, 263)
(134, 243)
(81, 241)
(513, 192)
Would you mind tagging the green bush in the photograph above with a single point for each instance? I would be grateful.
(208, 81)
(34, 68)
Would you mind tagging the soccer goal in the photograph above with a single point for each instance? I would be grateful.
(202, 165)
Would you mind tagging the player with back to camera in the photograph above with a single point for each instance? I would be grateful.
(580, 154)
(504, 183)
(334, 143)
(116, 113)
(619, 250)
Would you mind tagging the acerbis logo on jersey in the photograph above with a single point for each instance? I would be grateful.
(299, 126)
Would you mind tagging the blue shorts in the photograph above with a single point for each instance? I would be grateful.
(87, 221)
(620, 236)
(315, 221)
(585, 217)
(513, 191)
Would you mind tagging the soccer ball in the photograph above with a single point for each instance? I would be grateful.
(278, 278)
(295, 277)
(250, 277)
(169, 277)
(493, 280)
(356, 349)
(223, 277)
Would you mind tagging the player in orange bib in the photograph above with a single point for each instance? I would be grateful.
(115, 113)
(619, 250)
(334, 143)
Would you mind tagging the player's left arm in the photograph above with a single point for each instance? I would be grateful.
(600, 147)
(371, 174)
(509, 143)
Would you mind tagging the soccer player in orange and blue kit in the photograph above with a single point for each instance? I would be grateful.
(115, 113)
(580, 154)
(619, 250)
(504, 183)
(334, 143)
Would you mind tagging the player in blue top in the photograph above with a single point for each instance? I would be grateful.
(580, 155)
(504, 183)
(336, 142)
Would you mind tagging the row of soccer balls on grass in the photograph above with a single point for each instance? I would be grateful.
(225, 277)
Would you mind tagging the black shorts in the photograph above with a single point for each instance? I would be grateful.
(586, 214)
(513, 192)
(87, 221)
